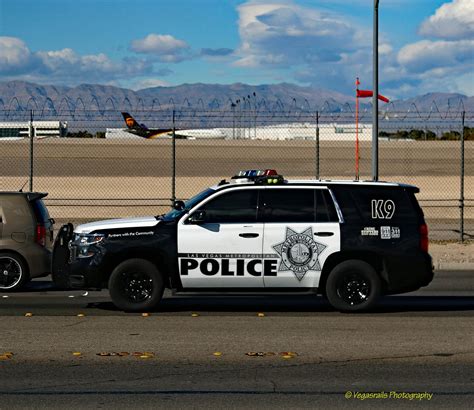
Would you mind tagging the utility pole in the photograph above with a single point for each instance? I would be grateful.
(375, 101)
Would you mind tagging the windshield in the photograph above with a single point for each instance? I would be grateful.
(174, 213)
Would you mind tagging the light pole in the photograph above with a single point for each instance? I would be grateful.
(375, 101)
(232, 106)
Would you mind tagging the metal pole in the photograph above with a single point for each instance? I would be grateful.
(357, 136)
(317, 146)
(173, 182)
(461, 205)
(31, 133)
(375, 101)
(233, 120)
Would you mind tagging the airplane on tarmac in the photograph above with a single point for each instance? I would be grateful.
(140, 130)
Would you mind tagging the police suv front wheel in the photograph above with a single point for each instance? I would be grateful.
(353, 286)
(136, 285)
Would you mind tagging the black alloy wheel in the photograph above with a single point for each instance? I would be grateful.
(353, 289)
(353, 286)
(136, 285)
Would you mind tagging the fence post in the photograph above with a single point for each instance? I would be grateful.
(173, 177)
(317, 146)
(31, 134)
(461, 205)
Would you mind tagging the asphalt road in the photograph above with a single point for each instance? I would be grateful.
(417, 343)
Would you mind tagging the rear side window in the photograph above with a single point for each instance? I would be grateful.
(15, 209)
(288, 205)
(40, 210)
(297, 205)
(376, 204)
(239, 206)
(325, 209)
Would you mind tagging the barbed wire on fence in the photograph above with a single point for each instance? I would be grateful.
(102, 106)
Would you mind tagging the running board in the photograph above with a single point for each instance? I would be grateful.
(242, 291)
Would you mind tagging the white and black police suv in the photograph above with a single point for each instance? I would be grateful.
(350, 241)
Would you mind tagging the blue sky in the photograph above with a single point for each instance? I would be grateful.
(425, 45)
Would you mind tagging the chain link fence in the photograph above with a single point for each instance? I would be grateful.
(99, 168)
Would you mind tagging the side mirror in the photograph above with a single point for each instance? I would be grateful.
(179, 205)
(197, 217)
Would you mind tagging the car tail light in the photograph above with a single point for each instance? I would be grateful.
(424, 237)
(41, 235)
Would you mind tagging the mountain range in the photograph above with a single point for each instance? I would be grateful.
(21, 95)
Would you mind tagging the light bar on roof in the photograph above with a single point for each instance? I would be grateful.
(254, 173)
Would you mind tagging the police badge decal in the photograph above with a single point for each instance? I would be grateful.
(299, 252)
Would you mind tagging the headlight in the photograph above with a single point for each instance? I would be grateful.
(85, 242)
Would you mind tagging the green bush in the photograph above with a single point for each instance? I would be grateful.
(451, 136)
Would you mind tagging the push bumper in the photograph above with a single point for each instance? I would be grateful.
(69, 272)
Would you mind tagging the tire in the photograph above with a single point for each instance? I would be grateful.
(13, 272)
(136, 285)
(353, 286)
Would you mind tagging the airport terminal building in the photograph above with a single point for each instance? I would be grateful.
(41, 129)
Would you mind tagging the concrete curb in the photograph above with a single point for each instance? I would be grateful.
(452, 256)
(447, 265)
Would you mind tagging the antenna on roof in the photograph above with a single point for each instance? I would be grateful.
(21, 189)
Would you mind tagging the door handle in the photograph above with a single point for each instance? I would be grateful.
(324, 233)
(248, 235)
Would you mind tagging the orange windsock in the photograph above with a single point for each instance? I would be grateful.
(369, 93)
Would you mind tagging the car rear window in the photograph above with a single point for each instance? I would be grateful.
(40, 210)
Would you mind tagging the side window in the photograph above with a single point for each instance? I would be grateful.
(288, 205)
(325, 209)
(238, 206)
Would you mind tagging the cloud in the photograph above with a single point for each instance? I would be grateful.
(427, 55)
(286, 34)
(163, 47)
(14, 55)
(311, 45)
(17, 61)
(454, 20)
(329, 50)
(446, 63)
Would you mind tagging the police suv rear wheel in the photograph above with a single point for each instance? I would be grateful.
(136, 285)
(353, 286)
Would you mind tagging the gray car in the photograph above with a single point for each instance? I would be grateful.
(26, 238)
